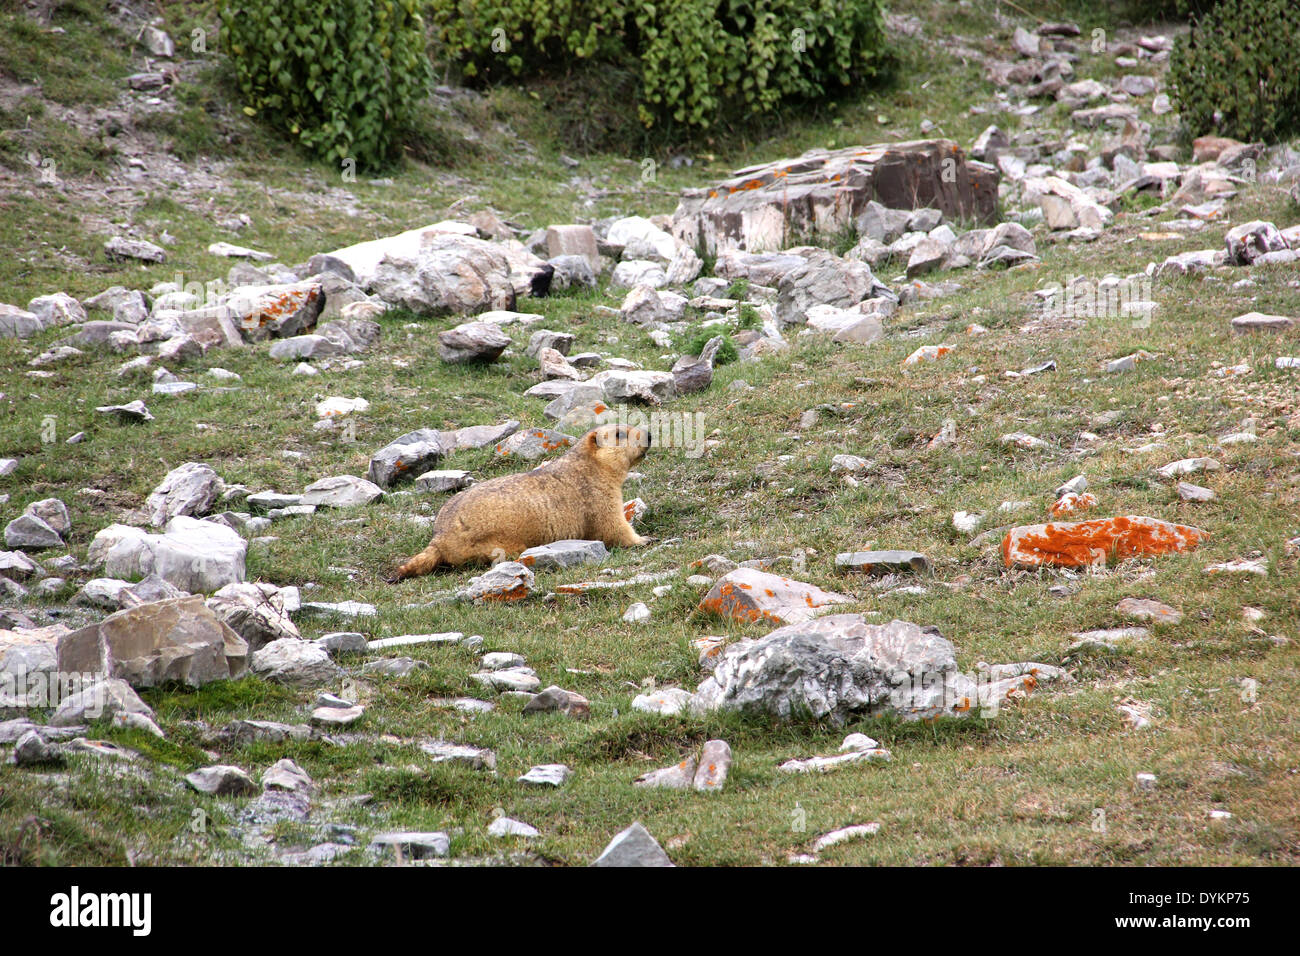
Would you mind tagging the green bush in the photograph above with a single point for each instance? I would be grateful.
(1237, 73)
(340, 76)
(698, 61)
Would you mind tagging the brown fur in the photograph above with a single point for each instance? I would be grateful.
(578, 496)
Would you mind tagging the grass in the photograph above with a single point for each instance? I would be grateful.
(1021, 789)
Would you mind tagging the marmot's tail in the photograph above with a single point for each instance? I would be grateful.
(422, 563)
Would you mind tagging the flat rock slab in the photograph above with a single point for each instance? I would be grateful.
(1078, 544)
(1259, 322)
(564, 554)
(762, 206)
(341, 491)
(680, 776)
(1143, 609)
(827, 764)
(407, 640)
(883, 562)
(546, 775)
(747, 594)
(476, 758)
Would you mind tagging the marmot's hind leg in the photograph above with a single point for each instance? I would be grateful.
(422, 563)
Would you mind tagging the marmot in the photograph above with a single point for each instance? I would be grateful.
(578, 496)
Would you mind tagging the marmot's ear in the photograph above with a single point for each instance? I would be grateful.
(592, 441)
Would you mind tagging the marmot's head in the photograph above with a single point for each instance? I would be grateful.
(618, 447)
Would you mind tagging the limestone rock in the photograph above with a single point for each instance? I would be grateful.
(178, 640)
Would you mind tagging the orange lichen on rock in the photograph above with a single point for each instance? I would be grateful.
(748, 594)
(1078, 544)
(1072, 503)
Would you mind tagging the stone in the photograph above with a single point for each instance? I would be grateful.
(1189, 492)
(341, 491)
(562, 342)
(409, 454)
(883, 562)
(102, 700)
(573, 240)
(637, 613)
(715, 762)
(443, 481)
(120, 247)
(343, 642)
(295, 662)
(1249, 241)
(341, 608)
(29, 531)
(16, 323)
(647, 387)
(410, 640)
(763, 206)
(1142, 609)
(507, 582)
(558, 700)
(665, 702)
(564, 554)
(1083, 543)
(750, 595)
(680, 776)
(53, 512)
(1188, 466)
(258, 613)
(858, 831)
(505, 827)
(836, 668)
(472, 342)
(286, 775)
(435, 273)
(546, 775)
(1066, 206)
(56, 310)
(17, 566)
(926, 353)
(644, 305)
(409, 845)
(824, 279)
(633, 847)
(178, 640)
(393, 666)
(1259, 322)
(518, 679)
(337, 717)
(32, 751)
(191, 489)
(827, 764)
(193, 555)
(533, 443)
(222, 780)
(927, 256)
(634, 272)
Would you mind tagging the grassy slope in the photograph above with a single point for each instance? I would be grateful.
(1020, 789)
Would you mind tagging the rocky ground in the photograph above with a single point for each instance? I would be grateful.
(974, 503)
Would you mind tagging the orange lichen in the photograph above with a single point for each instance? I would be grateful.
(1079, 544)
(1071, 503)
